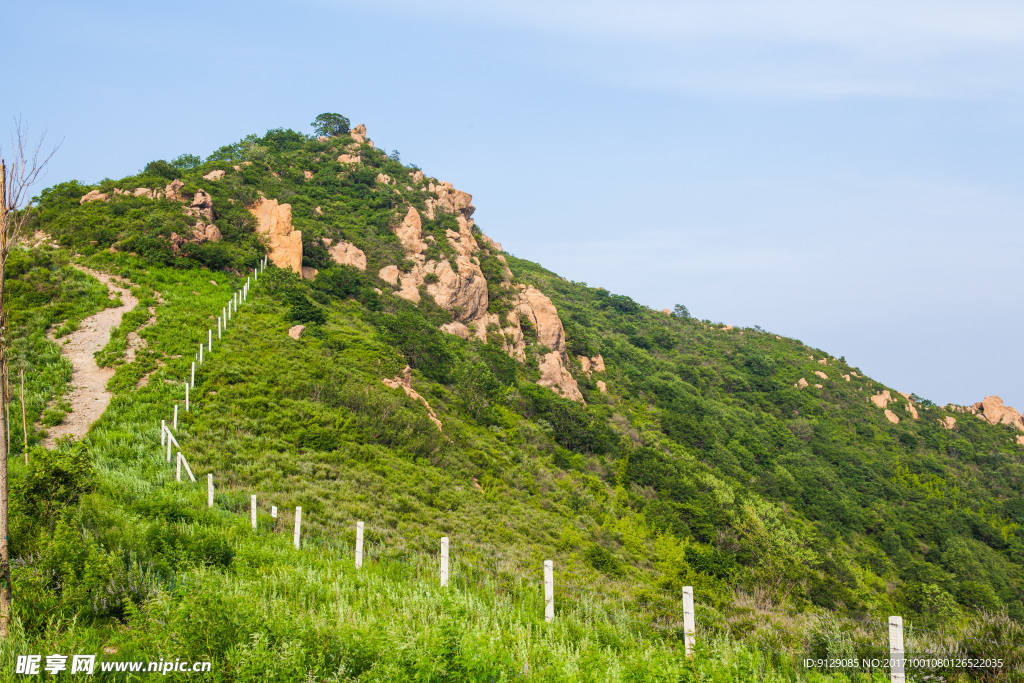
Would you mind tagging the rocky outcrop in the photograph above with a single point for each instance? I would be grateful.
(891, 416)
(801, 384)
(384, 179)
(819, 373)
(602, 387)
(912, 410)
(349, 159)
(948, 422)
(458, 285)
(347, 254)
(274, 222)
(214, 176)
(296, 331)
(403, 380)
(1020, 439)
(846, 377)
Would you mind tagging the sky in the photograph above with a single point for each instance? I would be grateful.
(846, 173)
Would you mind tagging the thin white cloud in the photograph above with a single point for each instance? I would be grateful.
(797, 48)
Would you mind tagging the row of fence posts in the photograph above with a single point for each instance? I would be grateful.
(896, 649)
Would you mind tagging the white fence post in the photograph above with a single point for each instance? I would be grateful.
(163, 429)
(298, 525)
(192, 378)
(188, 470)
(897, 669)
(273, 511)
(209, 340)
(200, 353)
(175, 423)
(444, 561)
(186, 397)
(218, 328)
(178, 463)
(209, 490)
(168, 448)
(252, 508)
(689, 623)
(549, 591)
(359, 545)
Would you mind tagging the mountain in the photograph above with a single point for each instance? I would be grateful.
(393, 365)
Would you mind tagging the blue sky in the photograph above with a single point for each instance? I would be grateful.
(847, 173)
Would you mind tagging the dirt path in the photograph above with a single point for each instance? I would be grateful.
(89, 396)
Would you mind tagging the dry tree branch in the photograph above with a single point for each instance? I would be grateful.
(24, 169)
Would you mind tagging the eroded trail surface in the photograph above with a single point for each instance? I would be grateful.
(89, 396)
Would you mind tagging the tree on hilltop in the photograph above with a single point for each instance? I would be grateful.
(330, 125)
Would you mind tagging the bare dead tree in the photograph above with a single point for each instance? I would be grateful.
(16, 181)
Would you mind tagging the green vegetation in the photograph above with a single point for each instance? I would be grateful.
(803, 518)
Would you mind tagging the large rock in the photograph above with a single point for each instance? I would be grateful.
(948, 422)
(93, 196)
(359, 133)
(994, 412)
(819, 373)
(214, 175)
(891, 416)
(348, 254)
(274, 222)
(881, 399)
(554, 375)
(349, 159)
(410, 232)
(173, 191)
(202, 205)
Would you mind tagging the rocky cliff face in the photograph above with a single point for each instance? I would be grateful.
(274, 221)
(461, 287)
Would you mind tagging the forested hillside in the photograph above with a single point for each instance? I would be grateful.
(539, 419)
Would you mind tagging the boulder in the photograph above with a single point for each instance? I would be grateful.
(823, 361)
(801, 384)
(881, 399)
(584, 364)
(819, 386)
(891, 416)
(296, 331)
(214, 175)
(846, 377)
(146, 192)
(912, 410)
(322, 138)
(994, 412)
(202, 206)
(93, 196)
(948, 422)
(359, 133)
(349, 159)
(274, 222)
(389, 274)
(1020, 439)
(318, 211)
(347, 254)
(417, 176)
(309, 273)
(819, 373)
(598, 362)
(384, 179)
(602, 387)
(667, 311)
(556, 377)
(171, 191)
(307, 174)
(726, 328)
(456, 328)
